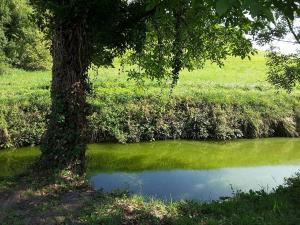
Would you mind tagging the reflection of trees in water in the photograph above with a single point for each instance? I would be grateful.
(169, 155)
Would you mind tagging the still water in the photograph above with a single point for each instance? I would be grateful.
(174, 170)
(203, 185)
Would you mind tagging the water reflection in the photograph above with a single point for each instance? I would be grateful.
(203, 185)
(180, 169)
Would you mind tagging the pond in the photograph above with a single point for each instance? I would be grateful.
(174, 170)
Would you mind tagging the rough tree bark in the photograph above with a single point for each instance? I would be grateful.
(64, 143)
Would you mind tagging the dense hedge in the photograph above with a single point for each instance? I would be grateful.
(144, 118)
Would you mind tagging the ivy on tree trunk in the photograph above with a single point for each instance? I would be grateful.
(64, 143)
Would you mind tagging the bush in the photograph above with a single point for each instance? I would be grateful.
(34, 55)
(3, 42)
(284, 70)
(145, 119)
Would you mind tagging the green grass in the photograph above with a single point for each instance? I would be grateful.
(239, 74)
(235, 71)
(238, 82)
(235, 78)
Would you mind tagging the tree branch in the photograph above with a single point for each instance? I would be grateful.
(292, 30)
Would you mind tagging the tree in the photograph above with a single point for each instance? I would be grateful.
(185, 34)
(163, 35)
(83, 32)
(283, 69)
(22, 44)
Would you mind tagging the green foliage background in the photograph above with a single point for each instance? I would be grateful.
(22, 44)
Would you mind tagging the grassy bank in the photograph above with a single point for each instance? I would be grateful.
(69, 200)
(213, 103)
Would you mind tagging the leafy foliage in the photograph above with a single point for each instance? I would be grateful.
(163, 37)
(260, 8)
(111, 25)
(284, 70)
(22, 44)
(186, 34)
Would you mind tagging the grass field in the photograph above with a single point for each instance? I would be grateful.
(237, 73)
(238, 82)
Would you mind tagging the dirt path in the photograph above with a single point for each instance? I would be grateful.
(47, 206)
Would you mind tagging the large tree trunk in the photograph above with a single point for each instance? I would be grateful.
(64, 143)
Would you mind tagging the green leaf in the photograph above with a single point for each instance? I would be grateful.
(151, 5)
(269, 15)
(247, 4)
(222, 6)
(255, 9)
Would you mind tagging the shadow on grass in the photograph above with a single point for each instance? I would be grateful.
(66, 199)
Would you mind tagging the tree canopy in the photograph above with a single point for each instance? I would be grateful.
(165, 36)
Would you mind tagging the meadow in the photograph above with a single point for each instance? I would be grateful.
(237, 82)
(231, 102)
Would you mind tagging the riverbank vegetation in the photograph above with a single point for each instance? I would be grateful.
(68, 199)
(214, 103)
